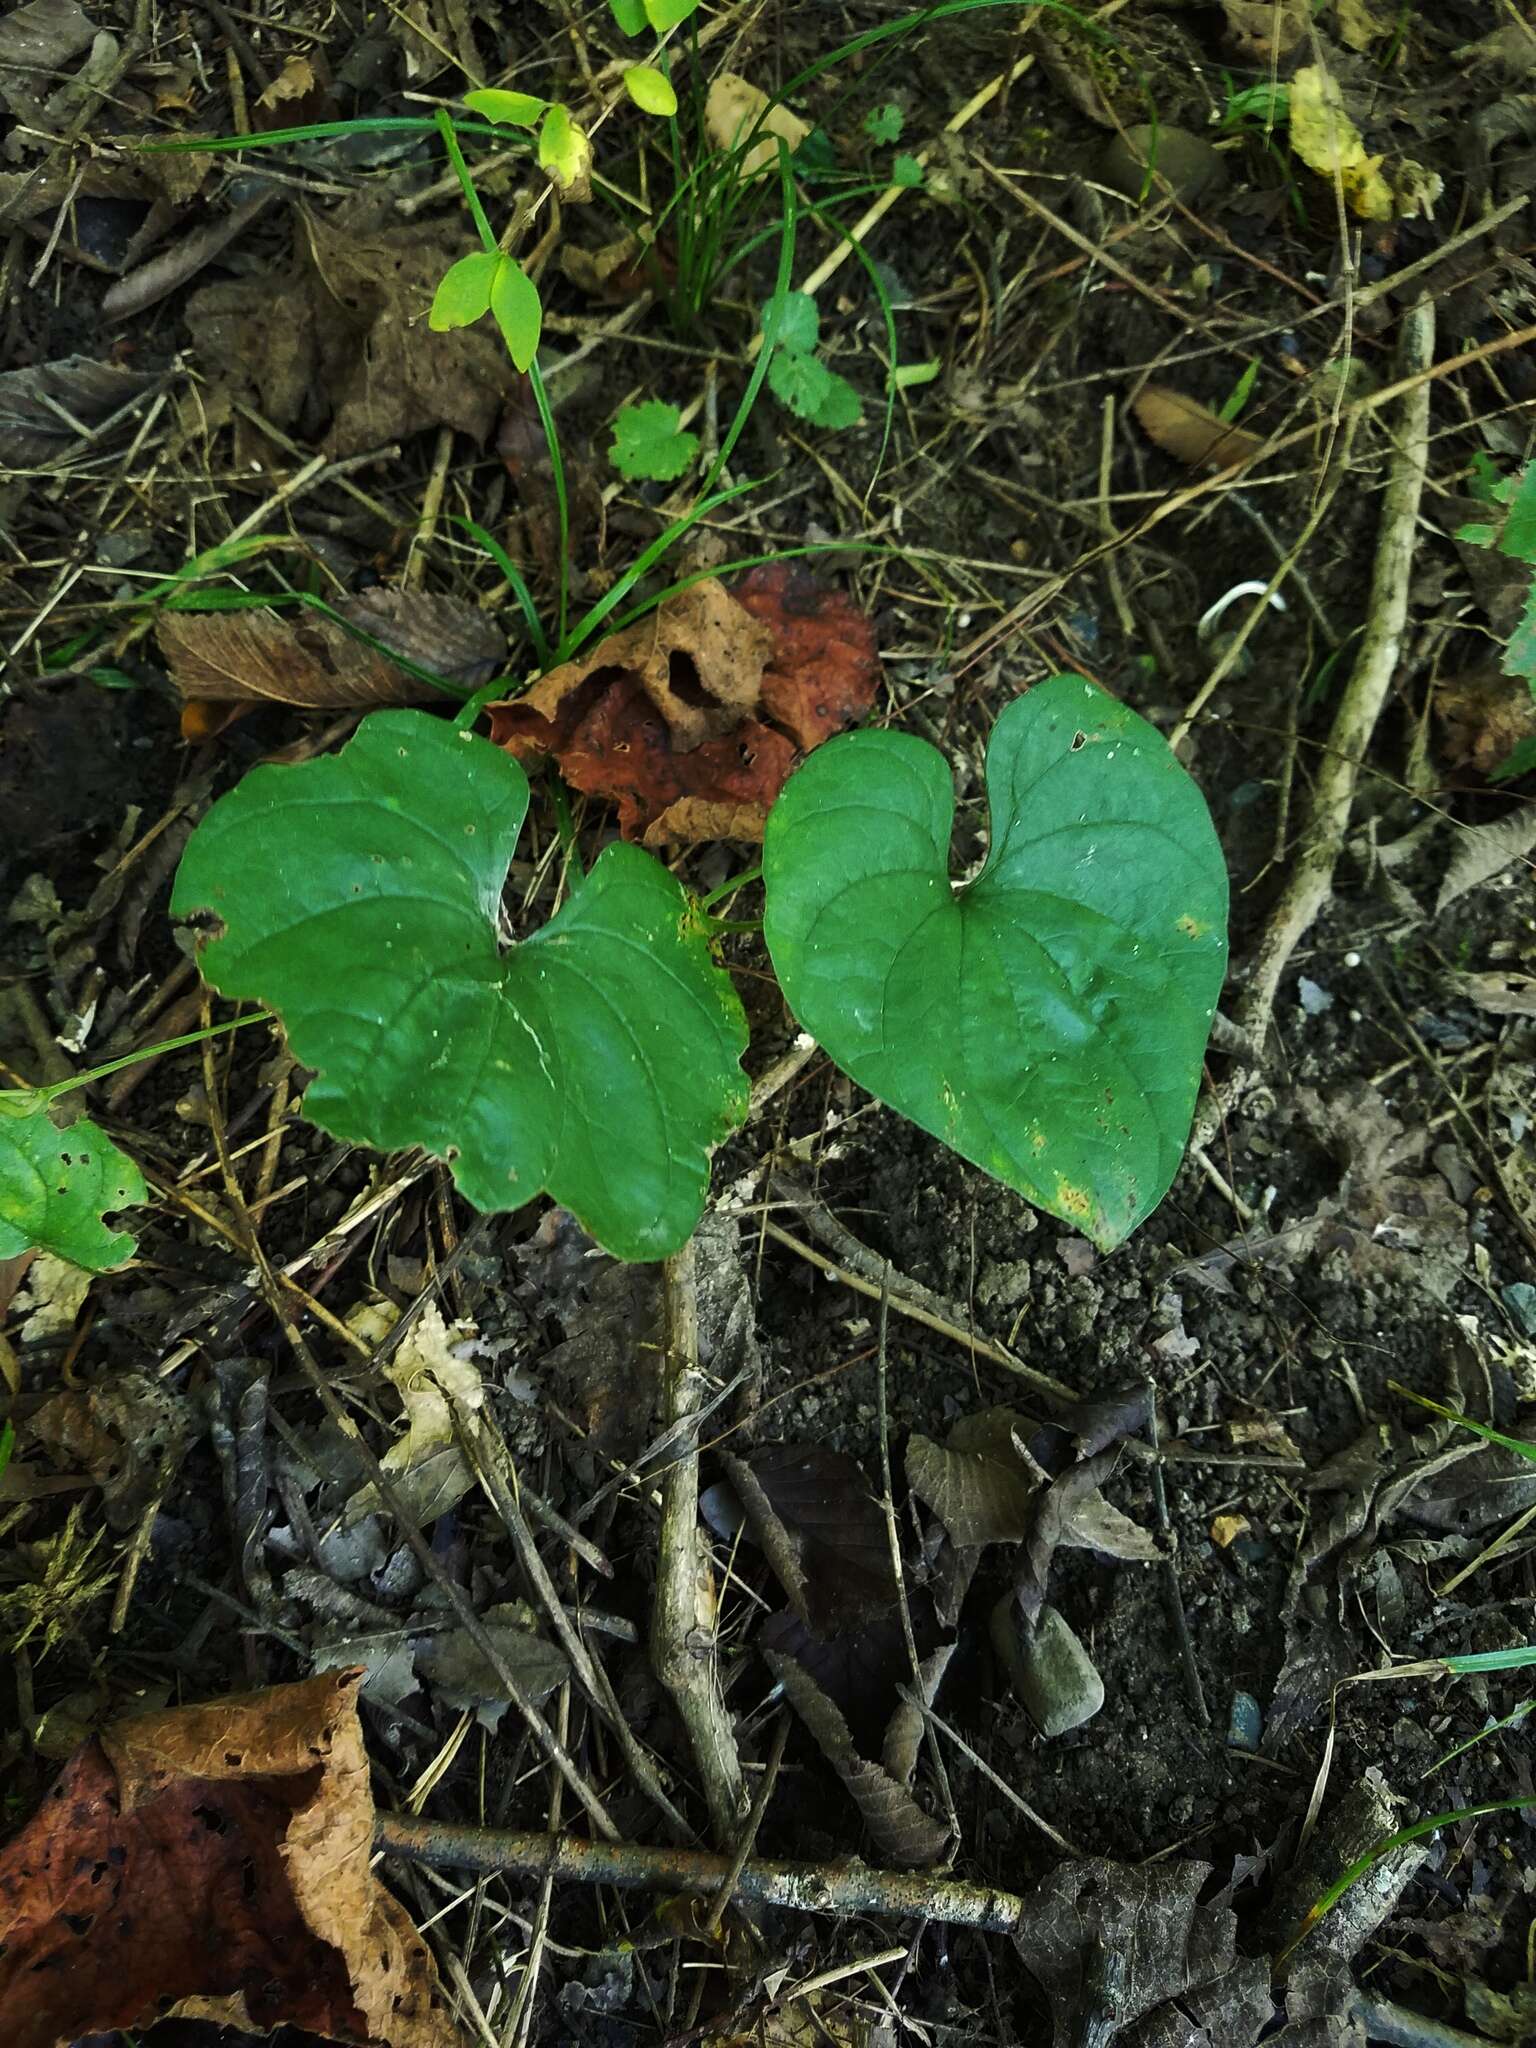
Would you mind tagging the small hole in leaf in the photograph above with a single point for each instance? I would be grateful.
(683, 680)
(234, 1758)
(1079, 740)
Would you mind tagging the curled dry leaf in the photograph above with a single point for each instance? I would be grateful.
(692, 718)
(986, 1486)
(258, 1809)
(429, 1470)
(1328, 142)
(736, 108)
(1191, 432)
(901, 1830)
(308, 660)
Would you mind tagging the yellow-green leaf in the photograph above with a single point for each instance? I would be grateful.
(465, 292)
(665, 14)
(515, 302)
(565, 153)
(651, 90)
(514, 109)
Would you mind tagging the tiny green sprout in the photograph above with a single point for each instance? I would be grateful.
(906, 170)
(650, 442)
(491, 283)
(513, 109)
(884, 124)
(651, 90)
(564, 151)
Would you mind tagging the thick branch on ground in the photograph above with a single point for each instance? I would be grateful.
(809, 1887)
(1311, 877)
(682, 1623)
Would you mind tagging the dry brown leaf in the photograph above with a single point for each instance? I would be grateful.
(128, 1433)
(306, 659)
(692, 718)
(1483, 851)
(1328, 142)
(213, 1862)
(904, 1834)
(1263, 30)
(1485, 715)
(735, 107)
(296, 78)
(345, 331)
(429, 1470)
(1190, 431)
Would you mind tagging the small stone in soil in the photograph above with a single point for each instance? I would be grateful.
(1058, 1683)
(1188, 163)
(1245, 1724)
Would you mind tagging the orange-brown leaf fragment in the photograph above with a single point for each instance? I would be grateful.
(1191, 432)
(692, 719)
(213, 1862)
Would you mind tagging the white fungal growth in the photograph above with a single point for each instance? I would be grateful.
(1254, 588)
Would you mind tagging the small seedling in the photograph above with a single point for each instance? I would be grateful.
(57, 1185)
(797, 377)
(884, 124)
(651, 443)
(1513, 535)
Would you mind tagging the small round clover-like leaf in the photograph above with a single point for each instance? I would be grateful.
(55, 1185)
(650, 441)
(512, 109)
(1048, 1019)
(358, 896)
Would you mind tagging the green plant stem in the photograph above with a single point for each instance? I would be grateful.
(488, 241)
(321, 131)
(37, 1097)
(557, 477)
(729, 888)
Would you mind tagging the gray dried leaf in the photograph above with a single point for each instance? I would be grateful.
(37, 39)
(1108, 1944)
(977, 1484)
(836, 1527)
(903, 1833)
(460, 1674)
(43, 409)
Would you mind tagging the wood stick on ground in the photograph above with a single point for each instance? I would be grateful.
(808, 1887)
(1311, 878)
(682, 1637)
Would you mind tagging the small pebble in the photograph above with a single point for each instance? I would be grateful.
(1245, 1724)
(1188, 163)
(1051, 1672)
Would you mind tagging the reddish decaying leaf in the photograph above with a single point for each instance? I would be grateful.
(212, 1862)
(692, 718)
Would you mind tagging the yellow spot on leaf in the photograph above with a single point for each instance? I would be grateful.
(1192, 927)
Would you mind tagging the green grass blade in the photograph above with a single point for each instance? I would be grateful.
(515, 581)
(1492, 1436)
(318, 131)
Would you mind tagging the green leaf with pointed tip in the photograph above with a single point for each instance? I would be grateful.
(359, 894)
(55, 1186)
(464, 293)
(630, 16)
(651, 90)
(1048, 1019)
(512, 109)
(665, 14)
(515, 303)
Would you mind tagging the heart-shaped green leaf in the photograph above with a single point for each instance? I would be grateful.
(1048, 1019)
(54, 1186)
(359, 897)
